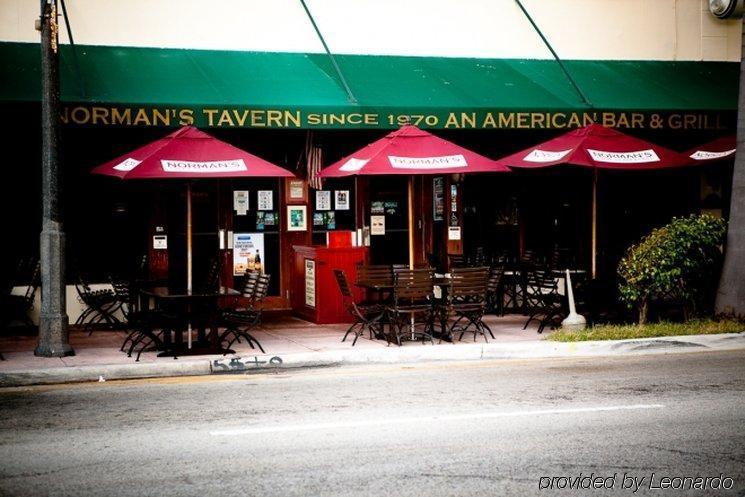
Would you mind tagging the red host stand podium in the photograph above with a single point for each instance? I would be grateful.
(315, 293)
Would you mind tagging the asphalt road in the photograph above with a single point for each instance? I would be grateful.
(444, 429)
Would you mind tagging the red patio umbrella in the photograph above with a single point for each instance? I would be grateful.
(597, 147)
(410, 150)
(719, 149)
(189, 153)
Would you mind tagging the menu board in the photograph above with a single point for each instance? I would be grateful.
(310, 282)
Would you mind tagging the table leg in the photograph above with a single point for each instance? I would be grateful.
(445, 335)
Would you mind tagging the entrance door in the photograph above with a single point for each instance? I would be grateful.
(388, 198)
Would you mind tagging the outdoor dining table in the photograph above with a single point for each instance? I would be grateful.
(513, 287)
(198, 310)
(380, 287)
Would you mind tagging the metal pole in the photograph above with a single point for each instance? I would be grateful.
(188, 238)
(53, 320)
(350, 95)
(188, 254)
(411, 221)
(73, 49)
(594, 222)
(558, 60)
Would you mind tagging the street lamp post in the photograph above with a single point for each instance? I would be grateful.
(53, 321)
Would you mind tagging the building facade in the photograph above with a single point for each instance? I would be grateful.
(257, 74)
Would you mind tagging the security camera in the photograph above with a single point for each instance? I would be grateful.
(726, 9)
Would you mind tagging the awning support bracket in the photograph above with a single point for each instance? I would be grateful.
(579, 91)
(74, 49)
(350, 95)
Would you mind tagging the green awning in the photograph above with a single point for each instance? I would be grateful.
(304, 88)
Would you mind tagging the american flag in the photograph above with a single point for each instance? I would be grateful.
(313, 162)
(314, 168)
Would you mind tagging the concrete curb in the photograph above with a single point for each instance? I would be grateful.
(73, 374)
(388, 355)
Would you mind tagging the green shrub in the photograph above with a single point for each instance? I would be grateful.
(676, 261)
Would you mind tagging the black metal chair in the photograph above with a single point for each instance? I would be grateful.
(123, 297)
(413, 312)
(478, 258)
(211, 282)
(456, 260)
(544, 302)
(239, 321)
(468, 300)
(382, 273)
(148, 328)
(101, 306)
(15, 307)
(495, 292)
(366, 315)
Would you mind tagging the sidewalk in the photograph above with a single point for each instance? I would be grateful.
(291, 343)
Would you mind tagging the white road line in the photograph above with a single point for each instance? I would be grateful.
(424, 419)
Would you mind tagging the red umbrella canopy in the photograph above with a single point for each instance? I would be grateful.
(189, 153)
(410, 150)
(719, 149)
(597, 146)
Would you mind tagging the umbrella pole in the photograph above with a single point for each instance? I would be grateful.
(410, 195)
(594, 223)
(411, 221)
(188, 253)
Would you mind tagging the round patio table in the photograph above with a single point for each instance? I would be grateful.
(200, 310)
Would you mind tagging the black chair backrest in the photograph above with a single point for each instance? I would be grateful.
(413, 286)
(469, 283)
(456, 260)
(34, 283)
(479, 258)
(249, 283)
(343, 284)
(82, 287)
(375, 273)
(212, 278)
(262, 287)
(541, 278)
(495, 278)
(530, 256)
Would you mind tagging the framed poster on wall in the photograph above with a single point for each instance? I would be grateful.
(377, 225)
(296, 191)
(341, 200)
(240, 202)
(323, 200)
(264, 200)
(248, 250)
(297, 218)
